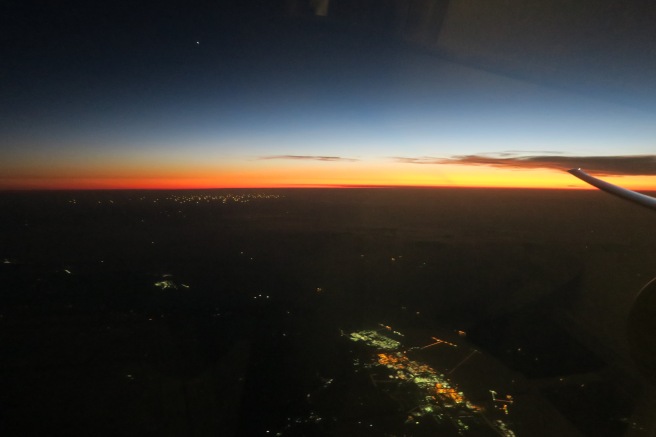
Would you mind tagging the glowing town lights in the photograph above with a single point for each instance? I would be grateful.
(436, 395)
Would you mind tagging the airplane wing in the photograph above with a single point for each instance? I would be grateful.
(632, 196)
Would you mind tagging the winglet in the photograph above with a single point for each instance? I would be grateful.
(632, 196)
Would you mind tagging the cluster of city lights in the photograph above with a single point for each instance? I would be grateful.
(436, 396)
(167, 283)
(194, 198)
(220, 198)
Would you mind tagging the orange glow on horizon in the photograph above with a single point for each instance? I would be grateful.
(310, 174)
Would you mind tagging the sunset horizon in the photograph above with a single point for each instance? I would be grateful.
(290, 101)
(330, 176)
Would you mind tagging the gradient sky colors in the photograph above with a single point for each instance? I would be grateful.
(160, 103)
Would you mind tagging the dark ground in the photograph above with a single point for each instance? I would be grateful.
(542, 282)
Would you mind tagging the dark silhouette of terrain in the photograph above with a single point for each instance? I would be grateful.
(248, 332)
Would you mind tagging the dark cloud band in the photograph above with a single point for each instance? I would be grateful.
(601, 165)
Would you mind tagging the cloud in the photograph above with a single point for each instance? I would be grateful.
(421, 160)
(601, 165)
(526, 152)
(310, 158)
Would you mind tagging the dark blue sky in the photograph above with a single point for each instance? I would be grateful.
(87, 83)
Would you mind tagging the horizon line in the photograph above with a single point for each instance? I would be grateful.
(303, 187)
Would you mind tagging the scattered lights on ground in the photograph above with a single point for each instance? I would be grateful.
(261, 297)
(190, 199)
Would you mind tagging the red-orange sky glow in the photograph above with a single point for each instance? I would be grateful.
(265, 174)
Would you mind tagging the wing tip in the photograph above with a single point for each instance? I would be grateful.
(576, 172)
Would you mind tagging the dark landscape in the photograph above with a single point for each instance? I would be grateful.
(228, 312)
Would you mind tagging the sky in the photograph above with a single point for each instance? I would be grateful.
(243, 94)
